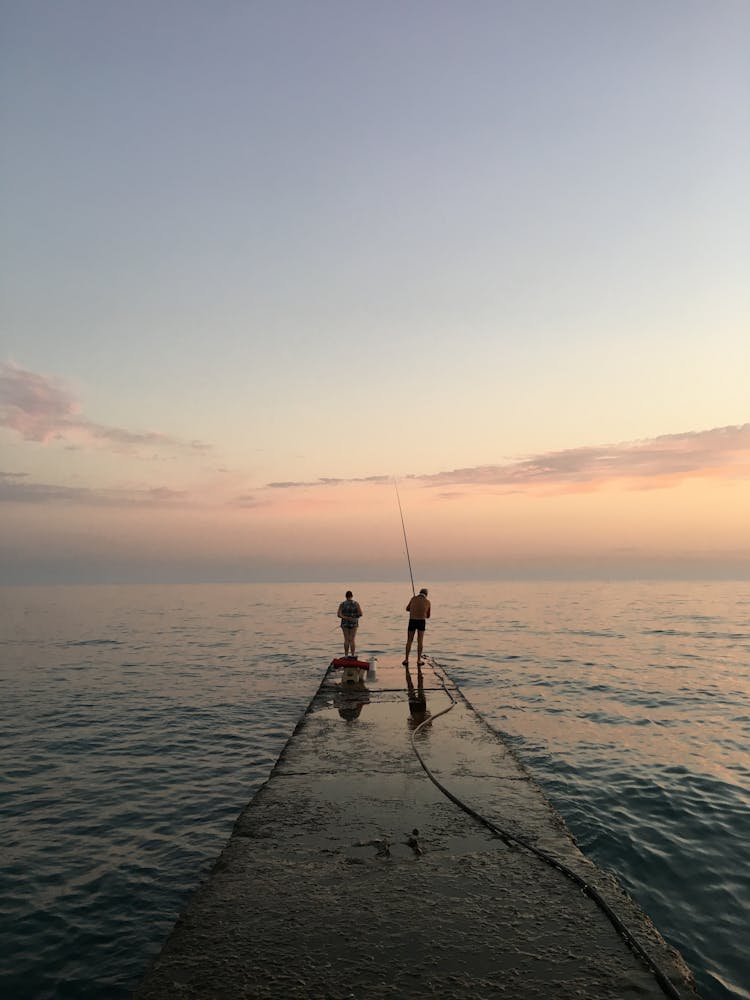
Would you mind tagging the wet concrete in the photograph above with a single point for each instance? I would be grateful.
(350, 874)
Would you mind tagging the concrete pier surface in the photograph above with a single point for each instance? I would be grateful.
(352, 875)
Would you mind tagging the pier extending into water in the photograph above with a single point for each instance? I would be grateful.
(351, 874)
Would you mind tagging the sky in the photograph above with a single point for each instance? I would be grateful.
(264, 262)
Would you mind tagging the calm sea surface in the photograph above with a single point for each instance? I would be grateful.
(136, 722)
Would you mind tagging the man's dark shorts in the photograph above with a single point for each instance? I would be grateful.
(417, 624)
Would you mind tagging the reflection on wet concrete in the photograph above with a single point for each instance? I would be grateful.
(350, 698)
(417, 699)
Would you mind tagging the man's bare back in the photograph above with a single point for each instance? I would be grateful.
(419, 606)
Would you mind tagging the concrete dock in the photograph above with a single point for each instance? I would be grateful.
(352, 875)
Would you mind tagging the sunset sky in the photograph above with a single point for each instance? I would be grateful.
(261, 259)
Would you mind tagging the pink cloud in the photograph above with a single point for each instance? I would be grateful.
(246, 500)
(41, 408)
(327, 481)
(33, 405)
(16, 487)
(653, 463)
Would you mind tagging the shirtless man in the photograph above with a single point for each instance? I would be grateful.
(349, 612)
(419, 611)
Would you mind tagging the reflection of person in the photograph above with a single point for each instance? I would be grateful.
(349, 612)
(417, 699)
(350, 712)
(419, 611)
(351, 699)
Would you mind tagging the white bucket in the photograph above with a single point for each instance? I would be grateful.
(372, 673)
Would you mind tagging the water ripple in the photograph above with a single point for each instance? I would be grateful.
(137, 722)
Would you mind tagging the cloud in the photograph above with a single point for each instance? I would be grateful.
(327, 481)
(41, 408)
(649, 464)
(660, 461)
(247, 500)
(16, 487)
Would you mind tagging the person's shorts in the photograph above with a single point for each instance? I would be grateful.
(349, 626)
(417, 624)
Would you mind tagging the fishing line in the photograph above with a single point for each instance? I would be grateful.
(406, 543)
(511, 838)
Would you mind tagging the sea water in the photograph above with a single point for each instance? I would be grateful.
(136, 722)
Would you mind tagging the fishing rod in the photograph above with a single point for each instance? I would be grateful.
(406, 543)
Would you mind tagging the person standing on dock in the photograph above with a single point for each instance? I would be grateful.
(419, 609)
(349, 612)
